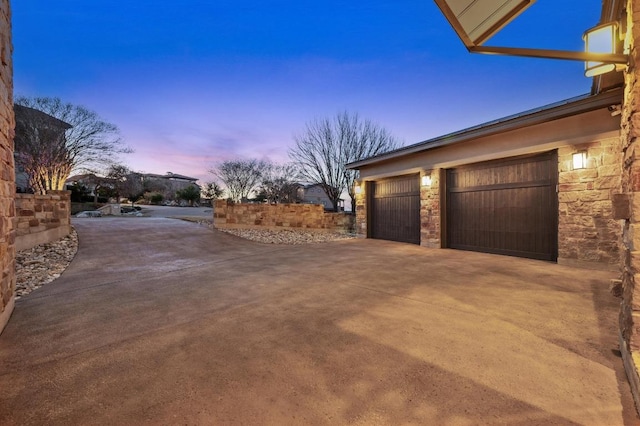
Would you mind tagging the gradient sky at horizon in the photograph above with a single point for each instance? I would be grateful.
(195, 82)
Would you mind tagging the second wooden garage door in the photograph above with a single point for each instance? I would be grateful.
(395, 209)
(505, 207)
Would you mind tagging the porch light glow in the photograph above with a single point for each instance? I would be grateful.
(579, 160)
(426, 180)
(358, 189)
(600, 39)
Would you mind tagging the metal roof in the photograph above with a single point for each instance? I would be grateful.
(555, 111)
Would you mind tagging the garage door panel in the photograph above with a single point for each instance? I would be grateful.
(508, 207)
(395, 209)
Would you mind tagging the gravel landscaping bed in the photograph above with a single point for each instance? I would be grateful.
(279, 236)
(44, 263)
(288, 236)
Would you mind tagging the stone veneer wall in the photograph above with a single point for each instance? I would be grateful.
(588, 235)
(361, 209)
(630, 148)
(430, 235)
(7, 172)
(42, 218)
(307, 216)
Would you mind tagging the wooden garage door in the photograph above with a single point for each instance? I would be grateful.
(395, 209)
(505, 207)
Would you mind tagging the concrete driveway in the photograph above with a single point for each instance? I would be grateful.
(174, 211)
(159, 321)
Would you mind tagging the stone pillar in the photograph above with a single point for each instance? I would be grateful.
(220, 212)
(430, 210)
(630, 264)
(7, 171)
(361, 210)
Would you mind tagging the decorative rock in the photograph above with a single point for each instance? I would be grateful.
(288, 236)
(44, 263)
(89, 213)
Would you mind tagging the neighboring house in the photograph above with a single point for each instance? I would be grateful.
(32, 126)
(314, 194)
(22, 178)
(168, 184)
(509, 187)
(89, 180)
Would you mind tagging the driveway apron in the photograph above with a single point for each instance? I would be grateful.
(160, 321)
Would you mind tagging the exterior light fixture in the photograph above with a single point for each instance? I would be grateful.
(426, 180)
(358, 189)
(475, 22)
(579, 160)
(600, 39)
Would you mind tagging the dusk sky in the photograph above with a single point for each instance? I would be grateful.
(194, 82)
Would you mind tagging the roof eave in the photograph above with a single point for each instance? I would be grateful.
(526, 119)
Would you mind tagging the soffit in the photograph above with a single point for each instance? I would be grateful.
(475, 21)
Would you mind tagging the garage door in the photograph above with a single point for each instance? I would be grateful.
(395, 209)
(505, 207)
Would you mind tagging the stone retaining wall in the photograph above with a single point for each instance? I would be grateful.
(7, 172)
(42, 218)
(305, 216)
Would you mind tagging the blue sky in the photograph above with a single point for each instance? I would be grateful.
(194, 82)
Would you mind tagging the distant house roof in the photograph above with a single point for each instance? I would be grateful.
(555, 111)
(24, 113)
(169, 175)
(79, 178)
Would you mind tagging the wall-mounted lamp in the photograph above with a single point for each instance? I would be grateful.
(579, 160)
(479, 21)
(600, 39)
(358, 189)
(426, 180)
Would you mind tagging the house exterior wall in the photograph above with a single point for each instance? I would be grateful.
(315, 194)
(42, 218)
(305, 216)
(630, 208)
(575, 130)
(7, 171)
(588, 235)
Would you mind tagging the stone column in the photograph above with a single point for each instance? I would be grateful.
(630, 265)
(7, 171)
(361, 209)
(430, 210)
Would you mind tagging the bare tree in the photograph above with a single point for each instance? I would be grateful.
(127, 184)
(88, 145)
(326, 145)
(240, 177)
(364, 139)
(40, 148)
(280, 183)
(318, 152)
(212, 191)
